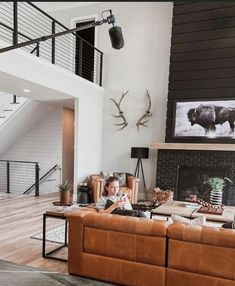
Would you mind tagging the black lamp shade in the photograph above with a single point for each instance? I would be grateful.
(139, 152)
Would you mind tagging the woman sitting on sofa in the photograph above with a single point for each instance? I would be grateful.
(112, 202)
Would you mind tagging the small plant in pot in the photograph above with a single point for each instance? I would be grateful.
(217, 185)
(65, 192)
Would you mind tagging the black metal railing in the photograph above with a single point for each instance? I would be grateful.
(6, 101)
(29, 190)
(24, 21)
(17, 176)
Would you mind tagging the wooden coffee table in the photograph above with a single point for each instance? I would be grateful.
(189, 210)
(184, 209)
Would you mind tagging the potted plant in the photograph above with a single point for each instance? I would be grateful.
(217, 185)
(65, 192)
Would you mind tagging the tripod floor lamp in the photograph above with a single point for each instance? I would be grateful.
(140, 153)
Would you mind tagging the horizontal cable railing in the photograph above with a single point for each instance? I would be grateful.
(17, 176)
(23, 21)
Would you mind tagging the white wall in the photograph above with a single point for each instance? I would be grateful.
(142, 63)
(42, 143)
(49, 83)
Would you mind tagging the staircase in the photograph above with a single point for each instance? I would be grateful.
(21, 22)
(9, 105)
(23, 177)
(19, 137)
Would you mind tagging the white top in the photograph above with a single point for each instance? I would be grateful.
(103, 200)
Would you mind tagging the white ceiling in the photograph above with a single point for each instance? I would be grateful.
(15, 85)
(56, 6)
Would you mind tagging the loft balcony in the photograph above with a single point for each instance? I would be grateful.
(23, 21)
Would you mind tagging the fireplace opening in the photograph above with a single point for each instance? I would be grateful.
(191, 181)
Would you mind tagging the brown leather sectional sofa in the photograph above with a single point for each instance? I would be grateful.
(144, 252)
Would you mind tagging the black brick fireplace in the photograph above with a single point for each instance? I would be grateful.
(192, 181)
(200, 70)
(174, 168)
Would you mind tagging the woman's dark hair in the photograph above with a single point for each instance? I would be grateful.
(107, 183)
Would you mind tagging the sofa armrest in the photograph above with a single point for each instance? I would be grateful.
(133, 183)
(75, 246)
(97, 187)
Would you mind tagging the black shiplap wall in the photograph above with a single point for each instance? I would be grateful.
(202, 62)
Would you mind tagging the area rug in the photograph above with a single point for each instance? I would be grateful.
(12, 274)
(54, 235)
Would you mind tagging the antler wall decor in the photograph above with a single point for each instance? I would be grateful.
(148, 114)
(124, 123)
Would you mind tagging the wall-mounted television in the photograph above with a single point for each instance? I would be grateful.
(204, 119)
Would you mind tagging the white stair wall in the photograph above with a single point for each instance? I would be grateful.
(40, 140)
(21, 122)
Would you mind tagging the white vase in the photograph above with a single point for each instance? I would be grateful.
(216, 197)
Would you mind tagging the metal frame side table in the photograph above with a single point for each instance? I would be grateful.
(56, 215)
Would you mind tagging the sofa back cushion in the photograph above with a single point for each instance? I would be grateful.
(105, 175)
(133, 239)
(126, 246)
(120, 176)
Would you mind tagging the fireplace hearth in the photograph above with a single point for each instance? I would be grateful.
(183, 171)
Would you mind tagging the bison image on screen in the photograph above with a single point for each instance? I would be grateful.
(205, 118)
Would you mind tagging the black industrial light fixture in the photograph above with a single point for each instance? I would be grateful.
(115, 33)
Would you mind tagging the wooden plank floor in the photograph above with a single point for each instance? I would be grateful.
(21, 218)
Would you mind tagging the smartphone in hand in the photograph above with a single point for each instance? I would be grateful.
(122, 197)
